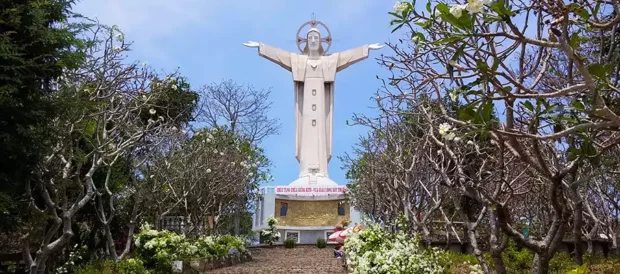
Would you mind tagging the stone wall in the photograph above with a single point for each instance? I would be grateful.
(201, 266)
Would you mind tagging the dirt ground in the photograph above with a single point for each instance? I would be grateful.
(302, 259)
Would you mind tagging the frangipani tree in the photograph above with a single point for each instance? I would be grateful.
(201, 179)
(109, 109)
(532, 82)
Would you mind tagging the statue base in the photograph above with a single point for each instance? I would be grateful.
(307, 209)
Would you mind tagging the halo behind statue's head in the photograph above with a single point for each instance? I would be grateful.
(313, 28)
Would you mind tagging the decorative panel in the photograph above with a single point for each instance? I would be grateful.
(310, 213)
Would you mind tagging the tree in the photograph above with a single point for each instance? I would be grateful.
(200, 179)
(531, 85)
(34, 50)
(241, 107)
(107, 110)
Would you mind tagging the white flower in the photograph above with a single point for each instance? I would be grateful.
(120, 37)
(487, 2)
(457, 139)
(208, 140)
(221, 153)
(474, 6)
(144, 97)
(453, 96)
(470, 142)
(117, 49)
(174, 87)
(444, 128)
(161, 118)
(457, 10)
(152, 111)
(400, 7)
(452, 63)
(215, 151)
(251, 174)
(232, 163)
(208, 170)
(449, 136)
(151, 121)
(144, 64)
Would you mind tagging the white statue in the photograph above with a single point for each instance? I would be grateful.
(314, 74)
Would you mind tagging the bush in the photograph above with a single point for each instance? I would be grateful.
(373, 250)
(271, 235)
(158, 249)
(131, 266)
(321, 243)
(127, 266)
(290, 243)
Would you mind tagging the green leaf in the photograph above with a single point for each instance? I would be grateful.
(428, 6)
(583, 13)
(574, 40)
(397, 27)
(396, 21)
(598, 70)
(448, 39)
(482, 66)
(573, 153)
(501, 9)
(495, 64)
(486, 111)
(420, 36)
(443, 8)
(597, 7)
(588, 148)
(528, 105)
(578, 105)
(396, 15)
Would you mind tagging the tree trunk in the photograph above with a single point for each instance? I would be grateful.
(541, 264)
(497, 246)
(236, 223)
(577, 224)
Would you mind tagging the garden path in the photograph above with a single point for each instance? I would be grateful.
(302, 259)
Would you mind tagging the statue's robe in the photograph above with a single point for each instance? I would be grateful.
(314, 101)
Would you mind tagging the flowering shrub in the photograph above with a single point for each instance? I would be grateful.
(373, 250)
(271, 234)
(75, 258)
(159, 249)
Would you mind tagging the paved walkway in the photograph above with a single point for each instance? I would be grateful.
(302, 259)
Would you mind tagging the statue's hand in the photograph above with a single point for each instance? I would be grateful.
(251, 44)
(375, 46)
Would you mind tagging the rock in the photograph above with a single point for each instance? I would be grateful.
(233, 251)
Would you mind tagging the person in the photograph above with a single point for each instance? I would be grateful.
(339, 251)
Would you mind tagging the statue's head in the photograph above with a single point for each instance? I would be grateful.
(314, 42)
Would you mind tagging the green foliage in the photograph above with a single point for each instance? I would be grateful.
(33, 53)
(131, 266)
(126, 266)
(158, 249)
(517, 259)
(290, 243)
(321, 243)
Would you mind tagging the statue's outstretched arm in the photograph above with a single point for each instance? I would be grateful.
(276, 55)
(352, 56)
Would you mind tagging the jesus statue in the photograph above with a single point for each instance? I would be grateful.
(314, 73)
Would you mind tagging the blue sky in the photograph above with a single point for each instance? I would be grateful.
(204, 38)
